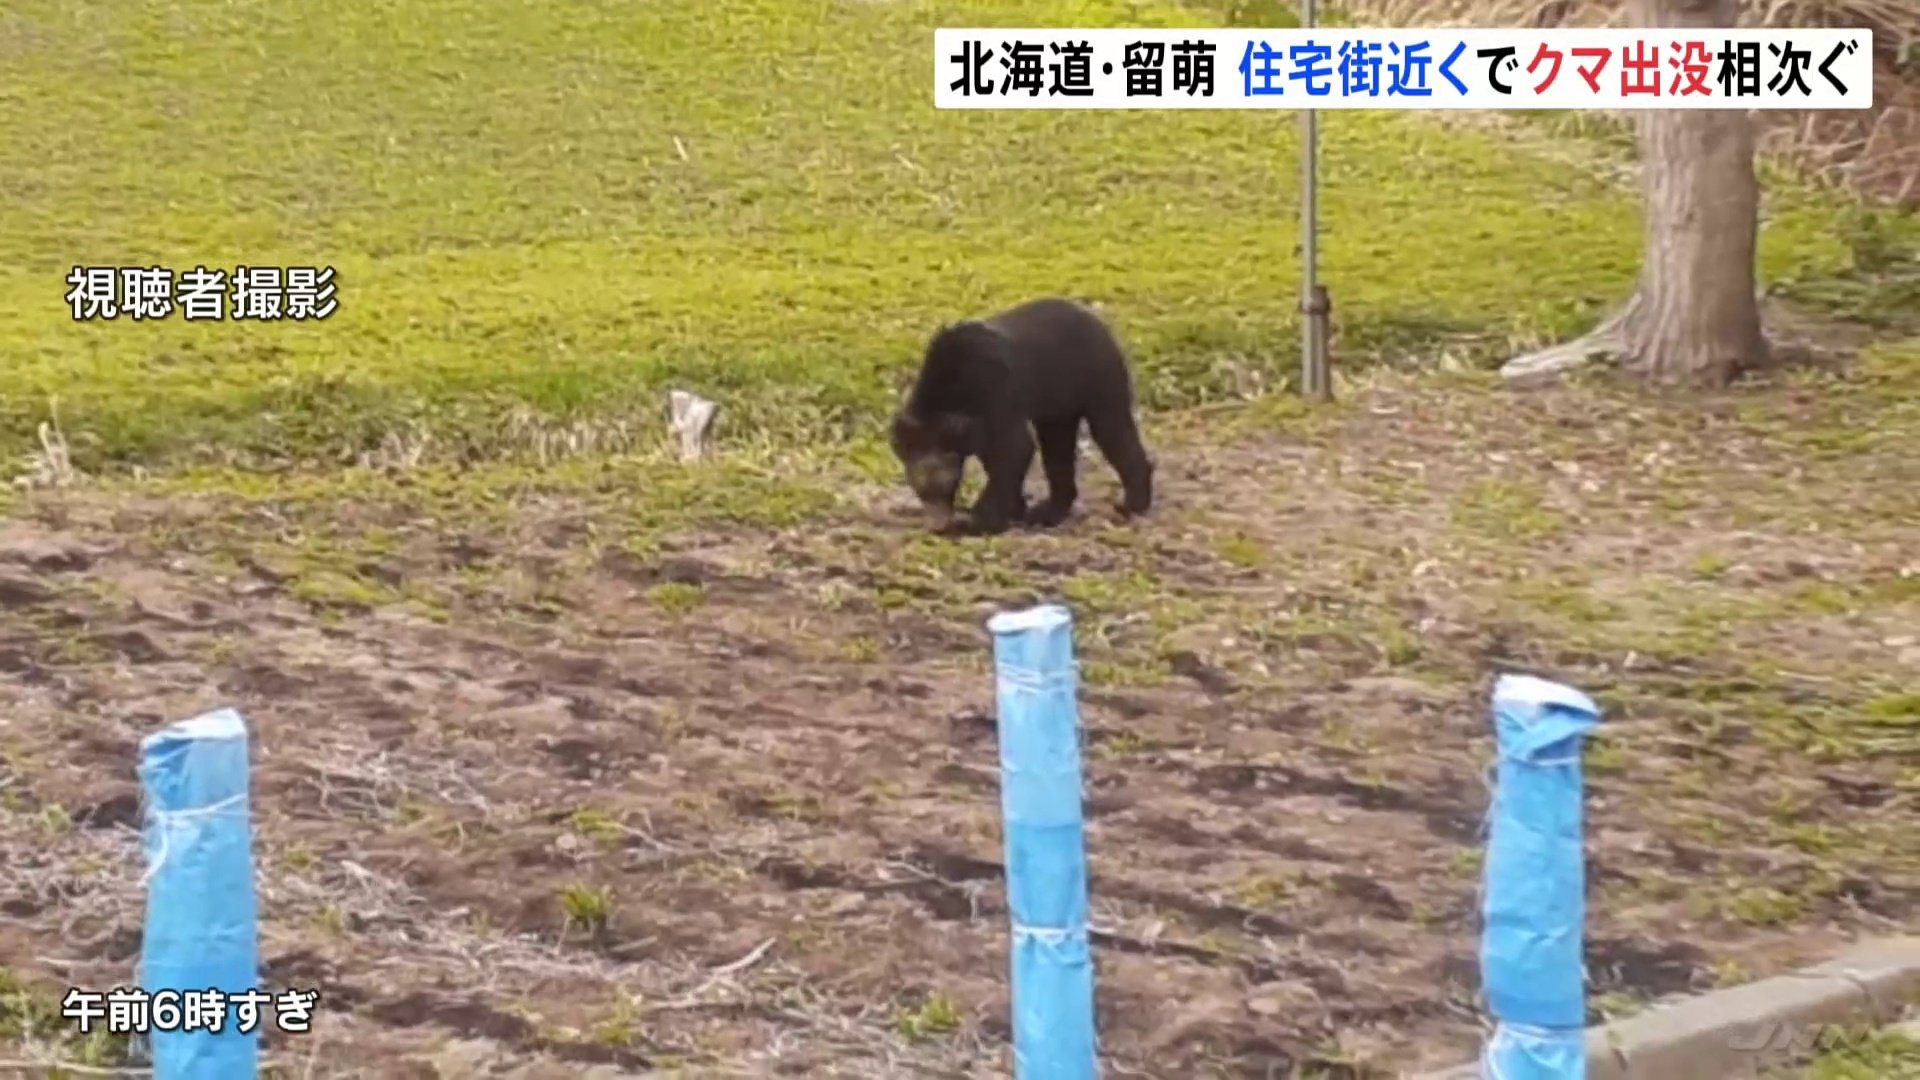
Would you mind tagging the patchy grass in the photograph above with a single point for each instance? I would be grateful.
(544, 215)
(933, 1017)
(587, 907)
(30, 1019)
(756, 707)
(1862, 1055)
(675, 597)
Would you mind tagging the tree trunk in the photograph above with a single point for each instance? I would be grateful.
(1694, 317)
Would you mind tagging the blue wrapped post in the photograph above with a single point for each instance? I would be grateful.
(201, 930)
(1534, 908)
(1035, 687)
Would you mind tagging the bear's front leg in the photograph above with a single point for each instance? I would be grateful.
(1003, 501)
(994, 511)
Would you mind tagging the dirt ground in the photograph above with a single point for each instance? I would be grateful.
(727, 804)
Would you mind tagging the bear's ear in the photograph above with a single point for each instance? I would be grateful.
(904, 426)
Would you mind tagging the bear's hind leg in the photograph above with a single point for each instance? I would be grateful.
(1118, 438)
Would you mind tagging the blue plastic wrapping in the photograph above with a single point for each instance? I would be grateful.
(201, 929)
(1035, 686)
(1534, 908)
(1516, 1052)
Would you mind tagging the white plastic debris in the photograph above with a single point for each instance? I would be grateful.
(693, 418)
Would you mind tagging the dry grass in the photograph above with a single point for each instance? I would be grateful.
(550, 755)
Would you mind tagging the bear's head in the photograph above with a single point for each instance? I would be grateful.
(933, 453)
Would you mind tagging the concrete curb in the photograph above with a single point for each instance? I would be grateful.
(1741, 1030)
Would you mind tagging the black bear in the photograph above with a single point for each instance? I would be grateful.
(989, 388)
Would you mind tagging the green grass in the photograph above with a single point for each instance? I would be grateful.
(32, 1014)
(1874, 1055)
(542, 215)
(936, 1016)
(586, 907)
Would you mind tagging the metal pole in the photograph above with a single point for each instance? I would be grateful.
(1315, 381)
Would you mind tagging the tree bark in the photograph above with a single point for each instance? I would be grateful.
(1694, 317)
